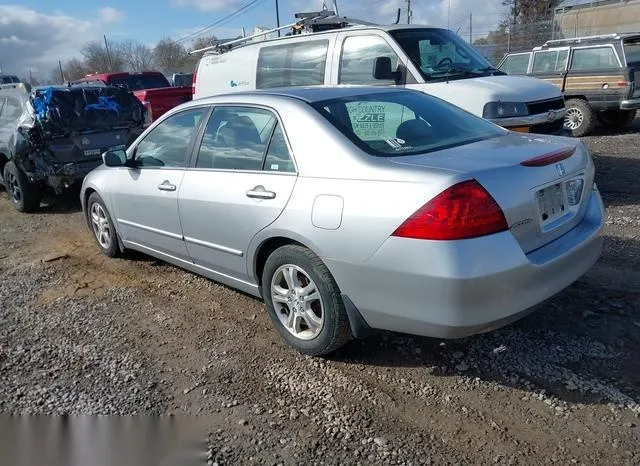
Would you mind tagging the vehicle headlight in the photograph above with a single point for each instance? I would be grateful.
(505, 109)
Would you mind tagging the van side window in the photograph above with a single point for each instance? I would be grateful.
(550, 61)
(358, 55)
(516, 64)
(295, 64)
(594, 58)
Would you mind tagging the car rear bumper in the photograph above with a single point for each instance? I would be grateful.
(457, 289)
(632, 104)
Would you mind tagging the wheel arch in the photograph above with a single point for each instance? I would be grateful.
(3, 161)
(267, 245)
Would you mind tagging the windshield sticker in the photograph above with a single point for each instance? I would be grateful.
(368, 120)
(398, 144)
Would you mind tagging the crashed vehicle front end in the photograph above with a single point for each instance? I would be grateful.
(62, 132)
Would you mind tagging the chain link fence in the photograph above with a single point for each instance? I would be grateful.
(612, 17)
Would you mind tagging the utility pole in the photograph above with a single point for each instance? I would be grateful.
(30, 77)
(61, 73)
(106, 46)
(471, 28)
(278, 17)
(409, 12)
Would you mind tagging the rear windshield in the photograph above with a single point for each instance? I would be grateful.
(9, 79)
(632, 51)
(404, 123)
(138, 82)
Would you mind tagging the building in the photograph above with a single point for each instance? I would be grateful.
(576, 18)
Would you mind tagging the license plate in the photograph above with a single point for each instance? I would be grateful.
(92, 153)
(551, 203)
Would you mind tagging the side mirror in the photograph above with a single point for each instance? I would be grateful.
(382, 69)
(114, 158)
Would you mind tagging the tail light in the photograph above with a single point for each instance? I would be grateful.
(548, 159)
(465, 210)
(193, 84)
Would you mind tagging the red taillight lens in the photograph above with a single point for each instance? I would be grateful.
(193, 84)
(548, 159)
(465, 210)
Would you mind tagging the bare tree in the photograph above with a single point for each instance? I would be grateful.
(100, 60)
(169, 56)
(192, 60)
(136, 56)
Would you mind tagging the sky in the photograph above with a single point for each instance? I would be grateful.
(35, 34)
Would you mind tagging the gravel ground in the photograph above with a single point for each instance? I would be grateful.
(82, 334)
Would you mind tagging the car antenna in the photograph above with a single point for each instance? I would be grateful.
(398, 17)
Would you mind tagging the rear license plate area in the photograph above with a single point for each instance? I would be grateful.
(552, 203)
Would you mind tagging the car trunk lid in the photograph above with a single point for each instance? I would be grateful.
(542, 184)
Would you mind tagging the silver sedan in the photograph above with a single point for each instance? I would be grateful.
(349, 209)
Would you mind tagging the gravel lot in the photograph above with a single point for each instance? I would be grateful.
(82, 334)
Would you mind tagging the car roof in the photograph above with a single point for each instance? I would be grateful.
(312, 94)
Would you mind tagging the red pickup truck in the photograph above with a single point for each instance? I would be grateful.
(150, 87)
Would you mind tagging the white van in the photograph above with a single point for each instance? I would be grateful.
(433, 60)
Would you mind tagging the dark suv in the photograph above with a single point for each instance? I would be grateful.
(599, 76)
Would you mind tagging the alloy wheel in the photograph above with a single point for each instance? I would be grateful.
(13, 187)
(297, 302)
(573, 119)
(100, 224)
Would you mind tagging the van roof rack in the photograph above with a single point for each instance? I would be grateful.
(308, 23)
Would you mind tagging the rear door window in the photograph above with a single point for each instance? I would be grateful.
(594, 58)
(550, 61)
(290, 65)
(516, 64)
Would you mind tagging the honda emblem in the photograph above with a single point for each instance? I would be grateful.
(560, 169)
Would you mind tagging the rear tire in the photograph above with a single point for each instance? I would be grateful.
(304, 301)
(580, 118)
(102, 226)
(617, 118)
(24, 196)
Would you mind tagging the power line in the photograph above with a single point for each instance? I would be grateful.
(242, 9)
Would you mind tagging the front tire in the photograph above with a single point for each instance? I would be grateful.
(24, 196)
(580, 118)
(102, 226)
(304, 301)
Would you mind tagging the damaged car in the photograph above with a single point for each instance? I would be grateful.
(52, 137)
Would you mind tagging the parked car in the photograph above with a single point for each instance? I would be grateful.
(354, 208)
(432, 60)
(182, 80)
(599, 76)
(8, 80)
(50, 139)
(150, 87)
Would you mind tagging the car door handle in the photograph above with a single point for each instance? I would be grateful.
(260, 193)
(166, 186)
